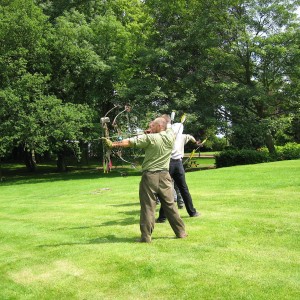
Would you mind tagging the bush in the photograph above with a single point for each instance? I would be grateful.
(229, 158)
(286, 152)
(289, 151)
(232, 157)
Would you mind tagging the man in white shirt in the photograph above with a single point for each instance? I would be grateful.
(176, 169)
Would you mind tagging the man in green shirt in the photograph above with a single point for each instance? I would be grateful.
(156, 180)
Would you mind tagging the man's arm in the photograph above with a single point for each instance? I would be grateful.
(189, 137)
(124, 143)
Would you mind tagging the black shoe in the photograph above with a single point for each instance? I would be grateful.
(196, 214)
(159, 220)
(180, 206)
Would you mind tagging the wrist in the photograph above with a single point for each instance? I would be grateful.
(117, 144)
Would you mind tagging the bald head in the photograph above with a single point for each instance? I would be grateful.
(158, 125)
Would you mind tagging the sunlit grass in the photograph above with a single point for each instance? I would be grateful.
(72, 236)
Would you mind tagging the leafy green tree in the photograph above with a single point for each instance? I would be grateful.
(230, 65)
(37, 122)
(253, 68)
(23, 40)
(229, 62)
(77, 70)
(23, 31)
(30, 116)
(94, 58)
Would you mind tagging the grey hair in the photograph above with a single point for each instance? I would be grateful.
(167, 118)
(162, 122)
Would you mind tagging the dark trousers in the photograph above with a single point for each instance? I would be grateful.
(177, 172)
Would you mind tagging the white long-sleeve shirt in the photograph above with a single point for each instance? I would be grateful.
(178, 130)
(180, 140)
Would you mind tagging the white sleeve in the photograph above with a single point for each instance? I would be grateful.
(178, 144)
(188, 138)
(177, 128)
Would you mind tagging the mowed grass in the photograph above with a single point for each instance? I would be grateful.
(72, 236)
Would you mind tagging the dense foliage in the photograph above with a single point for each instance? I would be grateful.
(232, 66)
(233, 157)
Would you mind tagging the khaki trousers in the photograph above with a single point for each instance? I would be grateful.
(158, 184)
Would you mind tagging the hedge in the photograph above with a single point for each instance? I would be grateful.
(229, 158)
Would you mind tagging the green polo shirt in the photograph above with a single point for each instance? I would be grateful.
(158, 148)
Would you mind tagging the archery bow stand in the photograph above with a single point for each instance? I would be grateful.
(106, 152)
(107, 163)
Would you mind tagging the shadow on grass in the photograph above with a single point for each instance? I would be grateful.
(124, 222)
(108, 239)
(50, 175)
(17, 174)
(125, 204)
(100, 240)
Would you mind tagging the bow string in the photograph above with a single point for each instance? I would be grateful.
(192, 154)
(119, 135)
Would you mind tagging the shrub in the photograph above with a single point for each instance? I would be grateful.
(229, 158)
(287, 152)
(232, 157)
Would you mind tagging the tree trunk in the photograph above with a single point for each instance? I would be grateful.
(30, 161)
(270, 143)
(61, 162)
(1, 178)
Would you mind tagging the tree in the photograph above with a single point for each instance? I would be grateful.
(253, 68)
(37, 122)
(23, 51)
(168, 63)
(30, 116)
(229, 63)
(93, 55)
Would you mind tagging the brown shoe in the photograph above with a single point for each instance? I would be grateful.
(142, 241)
(182, 236)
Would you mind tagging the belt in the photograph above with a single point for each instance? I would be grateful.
(172, 159)
(154, 172)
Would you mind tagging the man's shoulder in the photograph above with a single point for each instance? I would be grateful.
(168, 132)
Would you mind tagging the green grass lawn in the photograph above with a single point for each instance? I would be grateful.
(72, 236)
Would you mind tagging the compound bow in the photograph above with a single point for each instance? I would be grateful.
(107, 162)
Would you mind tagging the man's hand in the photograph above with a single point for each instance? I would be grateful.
(198, 143)
(147, 131)
(108, 143)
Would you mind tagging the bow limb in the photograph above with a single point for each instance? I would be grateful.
(183, 118)
(119, 154)
(190, 157)
(127, 109)
(115, 106)
(172, 116)
(194, 152)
